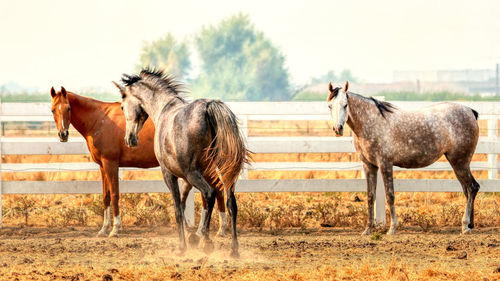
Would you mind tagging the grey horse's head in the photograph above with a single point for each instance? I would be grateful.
(135, 116)
(339, 107)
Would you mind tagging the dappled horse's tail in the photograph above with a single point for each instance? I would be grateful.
(227, 153)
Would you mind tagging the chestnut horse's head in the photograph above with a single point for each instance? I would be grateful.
(135, 115)
(339, 107)
(61, 110)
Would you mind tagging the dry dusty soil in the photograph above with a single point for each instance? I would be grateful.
(317, 254)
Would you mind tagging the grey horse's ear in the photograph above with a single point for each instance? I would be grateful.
(63, 91)
(53, 92)
(346, 87)
(120, 87)
(333, 92)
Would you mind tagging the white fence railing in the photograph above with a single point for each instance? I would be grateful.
(246, 111)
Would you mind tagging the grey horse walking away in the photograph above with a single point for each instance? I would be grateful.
(199, 142)
(386, 136)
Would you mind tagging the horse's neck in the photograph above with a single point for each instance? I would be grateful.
(84, 113)
(155, 107)
(361, 112)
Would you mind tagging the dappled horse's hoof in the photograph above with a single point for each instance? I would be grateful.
(466, 231)
(366, 232)
(220, 234)
(101, 233)
(193, 239)
(113, 234)
(235, 254)
(208, 246)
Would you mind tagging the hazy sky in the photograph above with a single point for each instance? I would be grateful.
(86, 44)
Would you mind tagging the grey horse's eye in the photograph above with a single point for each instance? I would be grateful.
(330, 106)
(345, 106)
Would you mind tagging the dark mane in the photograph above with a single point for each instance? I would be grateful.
(382, 106)
(155, 79)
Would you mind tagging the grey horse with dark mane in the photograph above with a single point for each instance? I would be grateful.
(386, 136)
(199, 142)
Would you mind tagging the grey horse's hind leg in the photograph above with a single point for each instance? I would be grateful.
(208, 192)
(386, 171)
(470, 188)
(173, 185)
(371, 185)
(232, 209)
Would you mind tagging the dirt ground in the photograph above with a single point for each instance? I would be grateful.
(307, 254)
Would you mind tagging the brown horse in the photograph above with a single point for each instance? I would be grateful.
(386, 136)
(102, 125)
(199, 142)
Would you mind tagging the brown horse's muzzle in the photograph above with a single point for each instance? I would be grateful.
(63, 135)
(131, 140)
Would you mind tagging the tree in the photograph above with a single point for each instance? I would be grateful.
(167, 54)
(239, 63)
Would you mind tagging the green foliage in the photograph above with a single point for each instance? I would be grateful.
(239, 63)
(167, 54)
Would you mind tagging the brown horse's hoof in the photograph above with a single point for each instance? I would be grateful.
(208, 246)
(194, 240)
(235, 254)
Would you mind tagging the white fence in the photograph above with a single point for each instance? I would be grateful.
(246, 111)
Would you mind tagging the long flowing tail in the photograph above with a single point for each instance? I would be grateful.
(227, 153)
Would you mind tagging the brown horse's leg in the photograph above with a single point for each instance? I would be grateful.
(386, 170)
(219, 196)
(232, 209)
(173, 185)
(111, 170)
(196, 178)
(203, 215)
(106, 197)
(371, 185)
(185, 189)
(470, 188)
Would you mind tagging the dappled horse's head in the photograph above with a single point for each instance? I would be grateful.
(339, 107)
(61, 111)
(135, 115)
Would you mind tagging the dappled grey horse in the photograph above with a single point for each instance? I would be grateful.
(386, 136)
(199, 142)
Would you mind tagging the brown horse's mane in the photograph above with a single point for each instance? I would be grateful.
(156, 80)
(382, 106)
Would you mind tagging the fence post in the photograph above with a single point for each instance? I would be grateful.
(493, 158)
(380, 201)
(189, 212)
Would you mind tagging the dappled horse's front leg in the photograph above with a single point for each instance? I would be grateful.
(173, 186)
(106, 197)
(208, 192)
(232, 208)
(386, 171)
(371, 185)
(219, 196)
